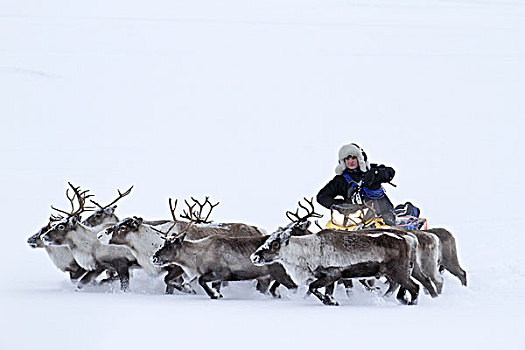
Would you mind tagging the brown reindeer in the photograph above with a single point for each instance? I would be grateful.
(219, 258)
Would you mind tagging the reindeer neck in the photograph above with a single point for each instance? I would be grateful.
(188, 254)
(145, 241)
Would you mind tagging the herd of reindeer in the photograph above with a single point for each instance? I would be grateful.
(193, 248)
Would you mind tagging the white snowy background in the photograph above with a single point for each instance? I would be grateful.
(248, 102)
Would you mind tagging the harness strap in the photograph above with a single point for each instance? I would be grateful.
(364, 191)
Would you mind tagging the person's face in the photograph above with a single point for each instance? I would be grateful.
(351, 162)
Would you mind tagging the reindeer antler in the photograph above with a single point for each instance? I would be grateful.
(120, 196)
(190, 208)
(80, 196)
(310, 213)
(187, 227)
(199, 213)
(172, 210)
(205, 221)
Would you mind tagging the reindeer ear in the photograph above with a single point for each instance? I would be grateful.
(110, 210)
(285, 238)
(303, 226)
(137, 221)
(74, 220)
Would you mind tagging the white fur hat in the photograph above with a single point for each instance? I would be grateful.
(352, 150)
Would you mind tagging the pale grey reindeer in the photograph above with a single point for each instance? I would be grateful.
(322, 258)
(219, 258)
(89, 253)
(60, 256)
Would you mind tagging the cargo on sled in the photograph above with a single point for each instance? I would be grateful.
(350, 217)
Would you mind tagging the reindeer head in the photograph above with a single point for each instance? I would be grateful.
(171, 248)
(56, 235)
(58, 226)
(270, 251)
(101, 216)
(105, 214)
(117, 234)
(168, 253)
(34, 241)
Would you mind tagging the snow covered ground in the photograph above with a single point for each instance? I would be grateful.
(248, 102)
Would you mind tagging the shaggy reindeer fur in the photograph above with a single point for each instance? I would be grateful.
(143, 242)
(448, 255)
(426, 249)
(327, 256)
(61, 256)
(219, 258)
(89, 253)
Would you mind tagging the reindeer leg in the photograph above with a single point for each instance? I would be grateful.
(279, 275)
(329, 290)
(216, 285)
(89, 277)
(369, 284)
(273, 289)
(112, 276)
(263, 283)
(406, 284)
(174, 280)
(348, 284)
(392, 286)
(457, 271)
(209, 277)
(122, 268)
(328, 276)
(424, 280)
(76, 274)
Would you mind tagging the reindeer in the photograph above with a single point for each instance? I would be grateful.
(220, 258)
(144, 238)
(322, 258)
(143, 243)
(448, 255)
(86, 249)
(61, 256)
(436, 249)
(105, 214)
(426, 245)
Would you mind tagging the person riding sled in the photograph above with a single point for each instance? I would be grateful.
(359, 182)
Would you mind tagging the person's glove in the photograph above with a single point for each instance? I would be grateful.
(374, 177)
(370, 180)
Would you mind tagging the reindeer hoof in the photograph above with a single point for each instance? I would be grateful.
(276, 294)
(187, 289)
(330, 301)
